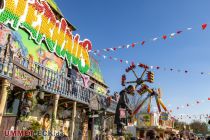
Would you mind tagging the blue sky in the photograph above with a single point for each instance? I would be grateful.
(110, 23)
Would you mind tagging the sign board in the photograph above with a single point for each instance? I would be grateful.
(156, 117)
(24, 80)
(94, 116)
(42, 25)
(144, 120)
(94, 103)
(164, 116)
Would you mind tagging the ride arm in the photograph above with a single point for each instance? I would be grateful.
(139, 107)
(162, 104)
(158, 104)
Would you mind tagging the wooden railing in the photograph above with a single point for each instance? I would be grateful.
(50, 81)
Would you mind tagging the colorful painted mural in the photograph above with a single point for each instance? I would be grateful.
(144, 120)
(38, 19)
(95, 70)
(21, 44)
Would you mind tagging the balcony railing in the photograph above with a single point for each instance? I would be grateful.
(51, 81)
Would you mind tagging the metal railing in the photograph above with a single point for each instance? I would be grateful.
(51, 81)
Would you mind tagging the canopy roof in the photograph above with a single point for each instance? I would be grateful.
(56, 9)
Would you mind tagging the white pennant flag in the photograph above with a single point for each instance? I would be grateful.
(154, 39)
(128, 46)
(105, 50)
(189, 28)
(126, 62)
(104, 56)
(172, 34)
(120, 47)
(94, 53)
(111, 49)
(151, 67)
(115, 59)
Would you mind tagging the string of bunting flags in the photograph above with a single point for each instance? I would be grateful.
(143, 42)
(187, 105)
(152, 67)
(197, 116)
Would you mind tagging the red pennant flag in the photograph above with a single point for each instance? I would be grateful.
(204, 26)
(142, 43)
(115, 49)
(133, 45)
(164, 37)
(208, 98)
(158, 67)
(121, 60)
(107, 49)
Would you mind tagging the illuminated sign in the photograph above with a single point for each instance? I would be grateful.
(38, 19)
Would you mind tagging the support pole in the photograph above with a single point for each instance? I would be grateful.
(85, 127)
(73, 120)
(92, 128)
(3, 99)
(55, 108)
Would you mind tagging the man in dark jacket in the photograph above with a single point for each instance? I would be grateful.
(123, 104)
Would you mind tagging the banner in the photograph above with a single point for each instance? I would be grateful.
(38, 19)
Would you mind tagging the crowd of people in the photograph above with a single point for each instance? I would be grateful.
(152, 135)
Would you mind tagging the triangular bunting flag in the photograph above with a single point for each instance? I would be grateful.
(164, 37)
(178, 32)
(204, 26)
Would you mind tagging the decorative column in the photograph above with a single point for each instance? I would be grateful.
(54, 113)
(3, 97)
(73, 120)
(85, 127)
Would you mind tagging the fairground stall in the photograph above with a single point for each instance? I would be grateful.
(48, 80)
(162, 123)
